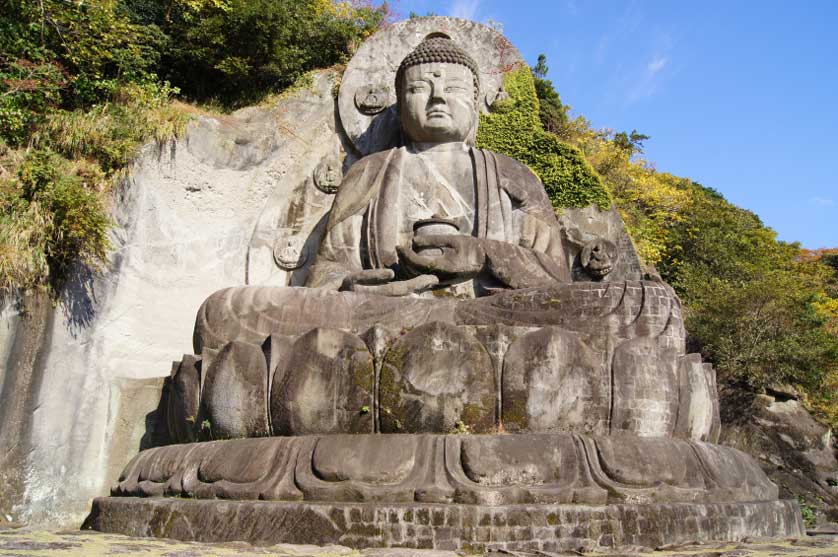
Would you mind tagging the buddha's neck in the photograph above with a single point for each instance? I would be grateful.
(420, 147)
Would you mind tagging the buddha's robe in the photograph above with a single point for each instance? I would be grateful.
(526, 269)
(591, 357)
(376, 208)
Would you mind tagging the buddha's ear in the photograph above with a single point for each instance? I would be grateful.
(471, 138)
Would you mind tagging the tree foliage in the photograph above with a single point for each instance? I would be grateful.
(752, 302)
(83, 84)
(236, 51)
(513, 128)
(762, 311)
(552, 113)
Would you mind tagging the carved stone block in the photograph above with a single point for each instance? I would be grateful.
(326, 387)
(437, 378)
(554, 381)
(235, 392)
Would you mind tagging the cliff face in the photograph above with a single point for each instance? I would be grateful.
(793, 449)
(81, 379)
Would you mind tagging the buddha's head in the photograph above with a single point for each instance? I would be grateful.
(437, 86)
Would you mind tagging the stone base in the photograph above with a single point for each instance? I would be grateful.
(470, 528)
(521, 469)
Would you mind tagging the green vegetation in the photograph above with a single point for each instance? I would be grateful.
(236, 51)
(762, 311)
(808, 514)
(83, 85)
(514, 129)
(551, 111)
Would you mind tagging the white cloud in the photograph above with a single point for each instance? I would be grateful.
(822, 201)
(466, 9)
(647, 83)
(657, 64)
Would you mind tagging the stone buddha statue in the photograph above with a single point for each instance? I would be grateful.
(441, 302)
(437, 215)
(448, 259)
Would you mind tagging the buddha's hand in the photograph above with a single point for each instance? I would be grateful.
(463, 257)
(380, 282)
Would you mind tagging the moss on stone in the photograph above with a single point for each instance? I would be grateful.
(363, 371)
(515, 412)
(389, 394)
(516, 132)
(473, 418)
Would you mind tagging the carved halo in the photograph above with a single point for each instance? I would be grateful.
(372, 71)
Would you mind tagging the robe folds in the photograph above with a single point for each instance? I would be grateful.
(531, 285)
(512, 212)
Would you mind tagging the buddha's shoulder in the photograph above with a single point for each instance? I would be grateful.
(356, 189)
(370, 163)
(521, 183)
(513, 169)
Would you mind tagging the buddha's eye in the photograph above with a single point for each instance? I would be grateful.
(417, 88)
(455, 89)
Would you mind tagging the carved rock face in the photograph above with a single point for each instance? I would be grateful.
(372, 99)
(438, 103)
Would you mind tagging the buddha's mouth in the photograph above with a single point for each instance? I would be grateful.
(436, 113)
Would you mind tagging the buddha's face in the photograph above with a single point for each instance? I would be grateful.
(437, 103)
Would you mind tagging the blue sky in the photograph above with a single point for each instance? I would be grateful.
(738, 95)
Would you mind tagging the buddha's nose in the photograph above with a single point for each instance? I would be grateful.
(438, 92)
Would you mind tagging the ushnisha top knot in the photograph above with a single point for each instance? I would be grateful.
(438, 48)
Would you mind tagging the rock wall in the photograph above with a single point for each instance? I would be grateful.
(793, 449)
(81, 379)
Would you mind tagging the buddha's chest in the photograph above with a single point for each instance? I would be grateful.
(439, 185)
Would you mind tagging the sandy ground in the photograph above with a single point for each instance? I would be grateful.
(26, 543)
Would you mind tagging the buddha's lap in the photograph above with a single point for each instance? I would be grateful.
(582, 357)
(621, 309)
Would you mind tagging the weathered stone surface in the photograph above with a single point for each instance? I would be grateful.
(626, 310)
(185, 219)
(470, 528)
(698, 406)
(644, 375)
(326, 387)
(436, 379)
(554, 381)
(24, 326)
(484, 469)
(184, 399)
(138, 413)
(235, 392)
(584, 227)
(519, 377)
(606, 387)
(796, 451)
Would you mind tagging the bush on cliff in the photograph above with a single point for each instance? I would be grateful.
(762, 311)
(514, 129)
(80, 92)
(236, 51)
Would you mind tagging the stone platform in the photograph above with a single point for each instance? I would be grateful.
(497, 469)
(469, 528)
(457, 492)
